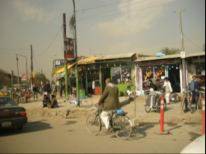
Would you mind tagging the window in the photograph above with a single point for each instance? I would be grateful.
(6, 102)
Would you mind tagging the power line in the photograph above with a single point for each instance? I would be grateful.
(194, 43)
(12, 49)
(97, 7)
(51, 43)
(124, 5)
(116, 12)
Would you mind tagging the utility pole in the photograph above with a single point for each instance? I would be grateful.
(17, 64)
(65, 59)
(76, 55)
(32, 66)
(12, 84)
(181, 30)
(26, 64)
(183, 53)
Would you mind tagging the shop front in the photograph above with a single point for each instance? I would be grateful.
(196, 66)
(155, 69)
(118, 69)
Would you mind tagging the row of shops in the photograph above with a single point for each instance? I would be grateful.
(130, 71)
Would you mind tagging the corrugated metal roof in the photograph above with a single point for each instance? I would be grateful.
(87, 60)
(188, 55)
(119, 56)
(195, 54)
(139, 59)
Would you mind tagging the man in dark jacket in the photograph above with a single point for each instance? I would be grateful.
(47, 88)
(194, 88)
(109, 101)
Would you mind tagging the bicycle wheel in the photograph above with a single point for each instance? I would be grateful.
(147, 108)
(192, 106)
(184, 103)
(147, 105)
(93, 123)
(123, 126)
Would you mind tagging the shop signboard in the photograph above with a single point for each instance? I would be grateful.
(69, 53)
(58, 63)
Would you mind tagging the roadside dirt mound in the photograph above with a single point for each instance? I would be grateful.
(56, 113)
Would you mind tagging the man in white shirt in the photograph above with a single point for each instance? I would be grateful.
(168, 90)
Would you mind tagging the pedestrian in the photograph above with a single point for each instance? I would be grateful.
(168, 90)
(35, 91)
(47, 88)
(62, 88)
(108, 102)
(194, 88)
(93, 86)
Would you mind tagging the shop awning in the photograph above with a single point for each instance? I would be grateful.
(60, 71)
(87, 60)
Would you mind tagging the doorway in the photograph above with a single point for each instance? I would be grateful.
(174, 77)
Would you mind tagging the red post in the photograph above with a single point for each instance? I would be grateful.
(203, 116)
(162, 114)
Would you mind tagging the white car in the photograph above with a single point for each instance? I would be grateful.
(197, 146)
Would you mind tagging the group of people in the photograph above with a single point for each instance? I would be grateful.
(162, 84)
(109, 100)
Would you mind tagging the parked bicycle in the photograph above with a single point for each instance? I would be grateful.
(153, 100)
(201, 97)
(121, 124)
(187, 103)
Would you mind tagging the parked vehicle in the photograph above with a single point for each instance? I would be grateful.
(153, 100)
(197, 146)
(11, 115)
(174, 98)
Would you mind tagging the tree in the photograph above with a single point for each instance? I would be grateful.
(40, 77)
(170, 51)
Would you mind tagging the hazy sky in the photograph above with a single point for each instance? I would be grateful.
(104, 27)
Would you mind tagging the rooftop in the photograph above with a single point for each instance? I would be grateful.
(175, 56)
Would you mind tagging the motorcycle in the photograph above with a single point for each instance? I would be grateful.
(153, 100)
(46, 99)
(49, 101)
(54, 102)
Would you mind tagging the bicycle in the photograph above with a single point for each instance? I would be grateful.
(187, 103)
(121, 124)
(201, 97)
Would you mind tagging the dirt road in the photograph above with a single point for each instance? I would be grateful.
(54, 134)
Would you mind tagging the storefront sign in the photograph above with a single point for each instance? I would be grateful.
(69, 49)
(58, 63)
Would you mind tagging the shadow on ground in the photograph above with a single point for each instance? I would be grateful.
(28, 128)
(193, 136)
(140, 131)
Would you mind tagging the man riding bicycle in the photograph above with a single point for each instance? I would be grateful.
(108, 102)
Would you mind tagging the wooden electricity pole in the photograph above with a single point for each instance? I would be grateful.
(32, 66)
(184, 79)
(12, 84)
(65, 60)
(76, 55)
(17, 64)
